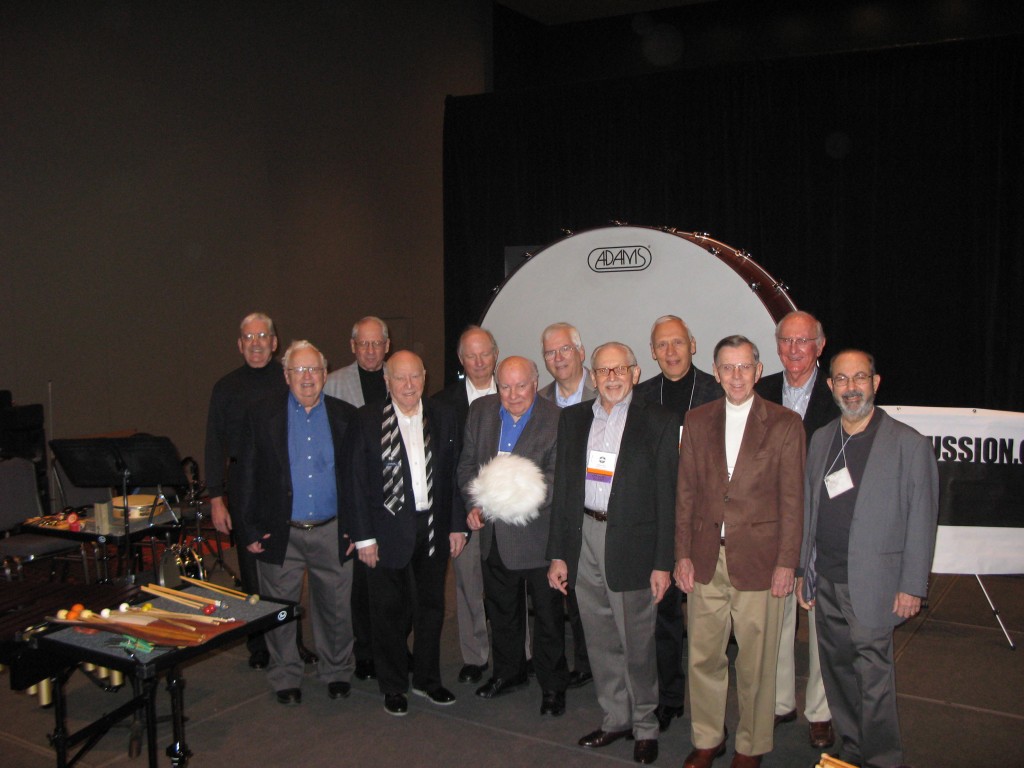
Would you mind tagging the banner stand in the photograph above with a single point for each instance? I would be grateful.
(995, 612)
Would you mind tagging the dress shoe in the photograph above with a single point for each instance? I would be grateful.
(259, 659)
(553, 703)
(471, 673)
(289, 697)
(307, 656)
(499, 686)
(703, 758)
(578, 679)
(599, 738)
(395, 704)
(666, 714)
(440, 695)
(365, 670)
(746, 761)
(645, 751)
(339, 689)
(821, 734)
(789, 717)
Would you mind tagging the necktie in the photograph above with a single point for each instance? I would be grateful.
(391, 459)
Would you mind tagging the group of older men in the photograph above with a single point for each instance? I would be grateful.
(596, 498)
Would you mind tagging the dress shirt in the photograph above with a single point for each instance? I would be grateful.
(411, 428)
(311, 460)
(472, 393)
(511, 429)
(605, 435)
(575, 397)
(798, 398)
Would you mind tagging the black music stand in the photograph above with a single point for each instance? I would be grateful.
(111, 462)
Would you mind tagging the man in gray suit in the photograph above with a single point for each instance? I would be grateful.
(871, 511)
(516, 422)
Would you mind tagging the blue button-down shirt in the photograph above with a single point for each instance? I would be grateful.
(311, 455)
(512, 429)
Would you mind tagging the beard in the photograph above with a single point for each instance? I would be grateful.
(854, 408)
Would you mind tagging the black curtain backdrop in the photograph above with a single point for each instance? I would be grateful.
(884, 187)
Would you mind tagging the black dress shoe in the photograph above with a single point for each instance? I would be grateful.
(289, 697)
(259, 659)
(471, 673)
(600, 738)
(339, 689)
(395, 704)
(439, 695)
(645, 751)
(365, 670)
(307, 656)
(666, 714)
(499, 686)
(789, 717)
(553, 703)
(578, 679)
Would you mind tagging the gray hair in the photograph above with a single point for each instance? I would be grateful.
(570, 329)
(370, 319)
(296, 346)
(620, 345)
(534, 373)
(471, 329)
(667, 319)
(819, 332)
(736, 341)
(868, 355)
(253, 317)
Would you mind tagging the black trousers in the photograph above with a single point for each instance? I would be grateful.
(668, 643)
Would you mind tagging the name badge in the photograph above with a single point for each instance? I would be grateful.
(838, 483)
(601, 466)
(504, 453)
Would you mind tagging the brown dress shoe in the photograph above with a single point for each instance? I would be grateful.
(822, 735)
(789, 717)
(746, 761)
(602, 738)
(703, 758)
(645, 751)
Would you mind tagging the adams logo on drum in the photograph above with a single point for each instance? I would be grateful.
(621, 258)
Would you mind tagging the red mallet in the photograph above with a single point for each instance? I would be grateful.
(209, 609)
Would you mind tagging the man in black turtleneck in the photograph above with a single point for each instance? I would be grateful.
(679, 387)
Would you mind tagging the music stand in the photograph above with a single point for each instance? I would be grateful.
(112, 462)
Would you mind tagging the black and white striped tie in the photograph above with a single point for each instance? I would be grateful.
(391, 458)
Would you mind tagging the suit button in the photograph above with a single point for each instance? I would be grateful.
(726, 497)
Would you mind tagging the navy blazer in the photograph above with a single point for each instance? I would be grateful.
(265, 486)
(364, 515)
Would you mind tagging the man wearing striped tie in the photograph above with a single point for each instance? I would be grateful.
(404, 514)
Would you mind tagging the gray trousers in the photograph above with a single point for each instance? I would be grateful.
(469, 604)
(313, 553)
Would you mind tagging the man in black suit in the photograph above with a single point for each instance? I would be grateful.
(291, 481)
(514, 537)
(478, 353)
(405, 518)
(802, 388)
(679, 387)
(612, 524)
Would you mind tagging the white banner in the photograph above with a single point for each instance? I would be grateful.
(981, 473)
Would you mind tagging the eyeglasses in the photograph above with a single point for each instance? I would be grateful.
(563, 350)
(251, 337)
(368, 344)
(618, 370)
(313, 370)
(727, 369)
(799, 341)
(844, 381)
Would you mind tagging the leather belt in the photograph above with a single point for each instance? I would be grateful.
(311, 526)
(601, 517)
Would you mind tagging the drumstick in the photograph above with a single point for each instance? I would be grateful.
(174, 614)
(216, 588)
(169, 634)
(173, 597)
(173, 593)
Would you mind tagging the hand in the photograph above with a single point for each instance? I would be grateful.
(684, 574)
(219, 515)
(351, 546)
(906, 606)
(799, 588)
(457, 542)
(257, 546)
(782, 582)
(558, 576)
(369, 555)
(475, 519)
(660, 581)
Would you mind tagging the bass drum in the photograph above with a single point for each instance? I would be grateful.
(612, 283)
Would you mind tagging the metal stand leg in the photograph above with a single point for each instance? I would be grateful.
(178, 751)
(995, 612)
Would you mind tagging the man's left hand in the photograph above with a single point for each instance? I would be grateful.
(660, 581)
(906, 606)
(782, 581)
(458, 542)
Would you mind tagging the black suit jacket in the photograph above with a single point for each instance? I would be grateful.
(705, 389)
(266, 481)
(821, 408)
(456, 398)
(364, 515)
(641, 505)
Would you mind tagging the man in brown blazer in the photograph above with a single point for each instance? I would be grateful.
(739, 519)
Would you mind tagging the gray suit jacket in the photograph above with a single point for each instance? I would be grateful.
(344, 384)
(589, 391)
(521, 547)
(892, 536)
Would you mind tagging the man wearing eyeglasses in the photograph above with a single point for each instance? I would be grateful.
(260, 376)
(679, 386)
(359, 383)
(611, 540)
(872, 488)
(564, 354)
(739, 516)
(291, 484)
(800, 387)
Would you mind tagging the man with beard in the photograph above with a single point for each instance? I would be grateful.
(871, 513)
